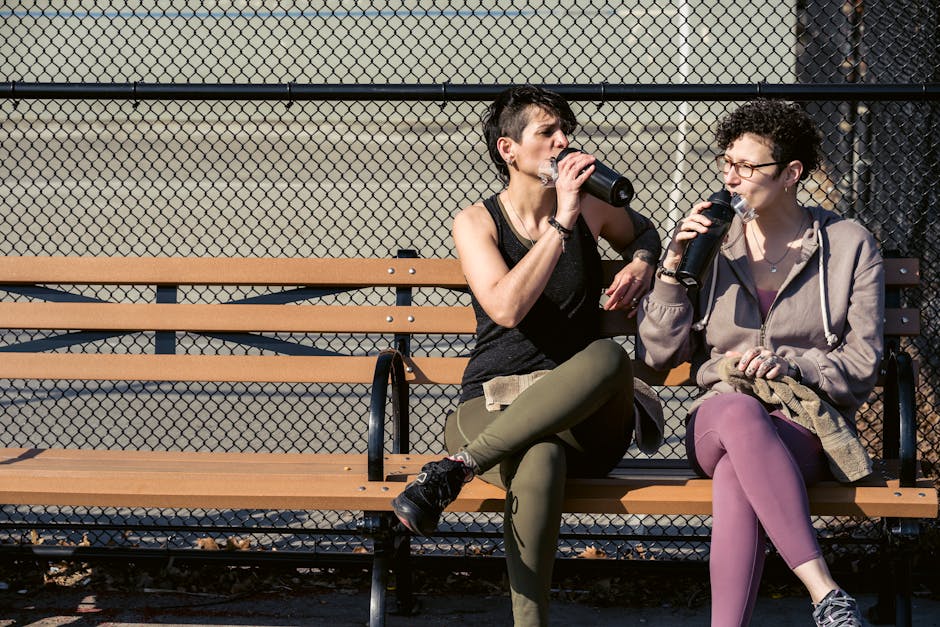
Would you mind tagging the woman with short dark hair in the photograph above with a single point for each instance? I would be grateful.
(532, 264)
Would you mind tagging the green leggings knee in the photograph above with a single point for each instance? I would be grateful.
(576, 421)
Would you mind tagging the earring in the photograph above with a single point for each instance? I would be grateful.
(511, 160)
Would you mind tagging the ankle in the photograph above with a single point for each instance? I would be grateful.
(816, 601)
(472, 469)
(818, 593)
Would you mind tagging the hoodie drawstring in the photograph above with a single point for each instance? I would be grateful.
(831, 338)
(701, 324)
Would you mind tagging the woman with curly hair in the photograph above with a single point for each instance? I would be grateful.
(792, 304)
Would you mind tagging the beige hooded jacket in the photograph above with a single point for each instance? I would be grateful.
(827, 316)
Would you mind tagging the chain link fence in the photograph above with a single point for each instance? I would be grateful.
(349, 174)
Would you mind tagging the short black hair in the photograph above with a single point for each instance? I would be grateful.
(507, 117)
(792, 133)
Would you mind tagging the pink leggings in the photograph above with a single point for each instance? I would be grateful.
(761, 464)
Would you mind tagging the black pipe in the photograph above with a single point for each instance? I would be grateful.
(907, 409)
(449, 92)
(380, 384)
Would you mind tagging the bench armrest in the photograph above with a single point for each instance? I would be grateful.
(907, 410)
(389, 375)
(900, 415)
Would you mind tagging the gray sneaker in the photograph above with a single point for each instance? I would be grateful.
(837, 609)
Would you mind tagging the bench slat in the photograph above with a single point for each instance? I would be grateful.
(210, 368)
(286, 271)
(266, 481)
(170, 461)
(220, 368)
(435, 370)
(236, 318)
(902, 322)
(631, 491)
(338, 272)
(245, 318)
(347, 272)
(902, 272)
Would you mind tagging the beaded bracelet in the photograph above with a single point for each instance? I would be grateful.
(664, 271)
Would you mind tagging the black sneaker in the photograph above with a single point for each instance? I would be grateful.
(420, 504)
(837, 609)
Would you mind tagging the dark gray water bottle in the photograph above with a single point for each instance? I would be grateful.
(604, 183)
(701, 251)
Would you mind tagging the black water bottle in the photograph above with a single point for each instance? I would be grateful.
(701, 251)
(604, 183)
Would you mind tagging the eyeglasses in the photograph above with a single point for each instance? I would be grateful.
(745, 170)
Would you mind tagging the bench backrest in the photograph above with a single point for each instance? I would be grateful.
(54, 306)
(50, 297)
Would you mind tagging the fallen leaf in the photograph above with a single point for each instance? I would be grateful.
(592, 553)
(207, 544)
(237, 544)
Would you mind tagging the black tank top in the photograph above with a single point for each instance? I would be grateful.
(563, 321)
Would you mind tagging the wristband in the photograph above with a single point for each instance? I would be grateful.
(565, 232)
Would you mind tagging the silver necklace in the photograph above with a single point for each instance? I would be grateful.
(774, 264)
(519, 218)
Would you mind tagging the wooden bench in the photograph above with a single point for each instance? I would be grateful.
(49, 298)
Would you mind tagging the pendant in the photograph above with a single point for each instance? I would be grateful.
(773, 268)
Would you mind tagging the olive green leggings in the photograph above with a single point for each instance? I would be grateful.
(576, 421)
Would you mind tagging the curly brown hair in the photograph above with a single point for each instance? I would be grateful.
(792, 133)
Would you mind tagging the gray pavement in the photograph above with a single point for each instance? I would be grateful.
(81, 608)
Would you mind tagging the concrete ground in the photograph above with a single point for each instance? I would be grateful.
(78, 607)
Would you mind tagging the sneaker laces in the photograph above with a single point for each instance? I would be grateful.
(837, 609)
